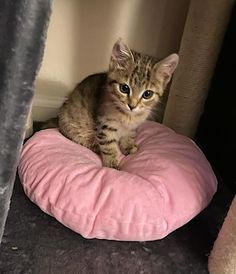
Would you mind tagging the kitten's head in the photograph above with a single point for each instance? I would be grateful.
(137, 81)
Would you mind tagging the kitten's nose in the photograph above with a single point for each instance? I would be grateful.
(131, 107)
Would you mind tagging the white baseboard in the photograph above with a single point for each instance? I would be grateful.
(45, 107)
(29, 126)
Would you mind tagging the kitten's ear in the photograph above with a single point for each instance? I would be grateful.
(165, 68)
(121, 56)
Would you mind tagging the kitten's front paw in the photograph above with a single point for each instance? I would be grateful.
(129, 149)
(110, 162)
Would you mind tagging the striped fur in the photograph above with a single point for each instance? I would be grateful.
(101, 117)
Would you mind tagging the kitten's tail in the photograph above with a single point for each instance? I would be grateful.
(51, 123)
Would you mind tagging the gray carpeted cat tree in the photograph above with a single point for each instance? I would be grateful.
(23, 25)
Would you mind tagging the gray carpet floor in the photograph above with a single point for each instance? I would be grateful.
(36, 243)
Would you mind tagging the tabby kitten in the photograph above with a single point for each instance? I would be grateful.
(105, 110)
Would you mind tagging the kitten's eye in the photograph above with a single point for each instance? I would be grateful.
(124, 88)
(147, 94)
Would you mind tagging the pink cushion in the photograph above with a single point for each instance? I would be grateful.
(158, 189)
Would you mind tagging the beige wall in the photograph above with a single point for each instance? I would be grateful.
(81, 34)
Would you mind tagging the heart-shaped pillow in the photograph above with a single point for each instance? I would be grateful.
(161, 187)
